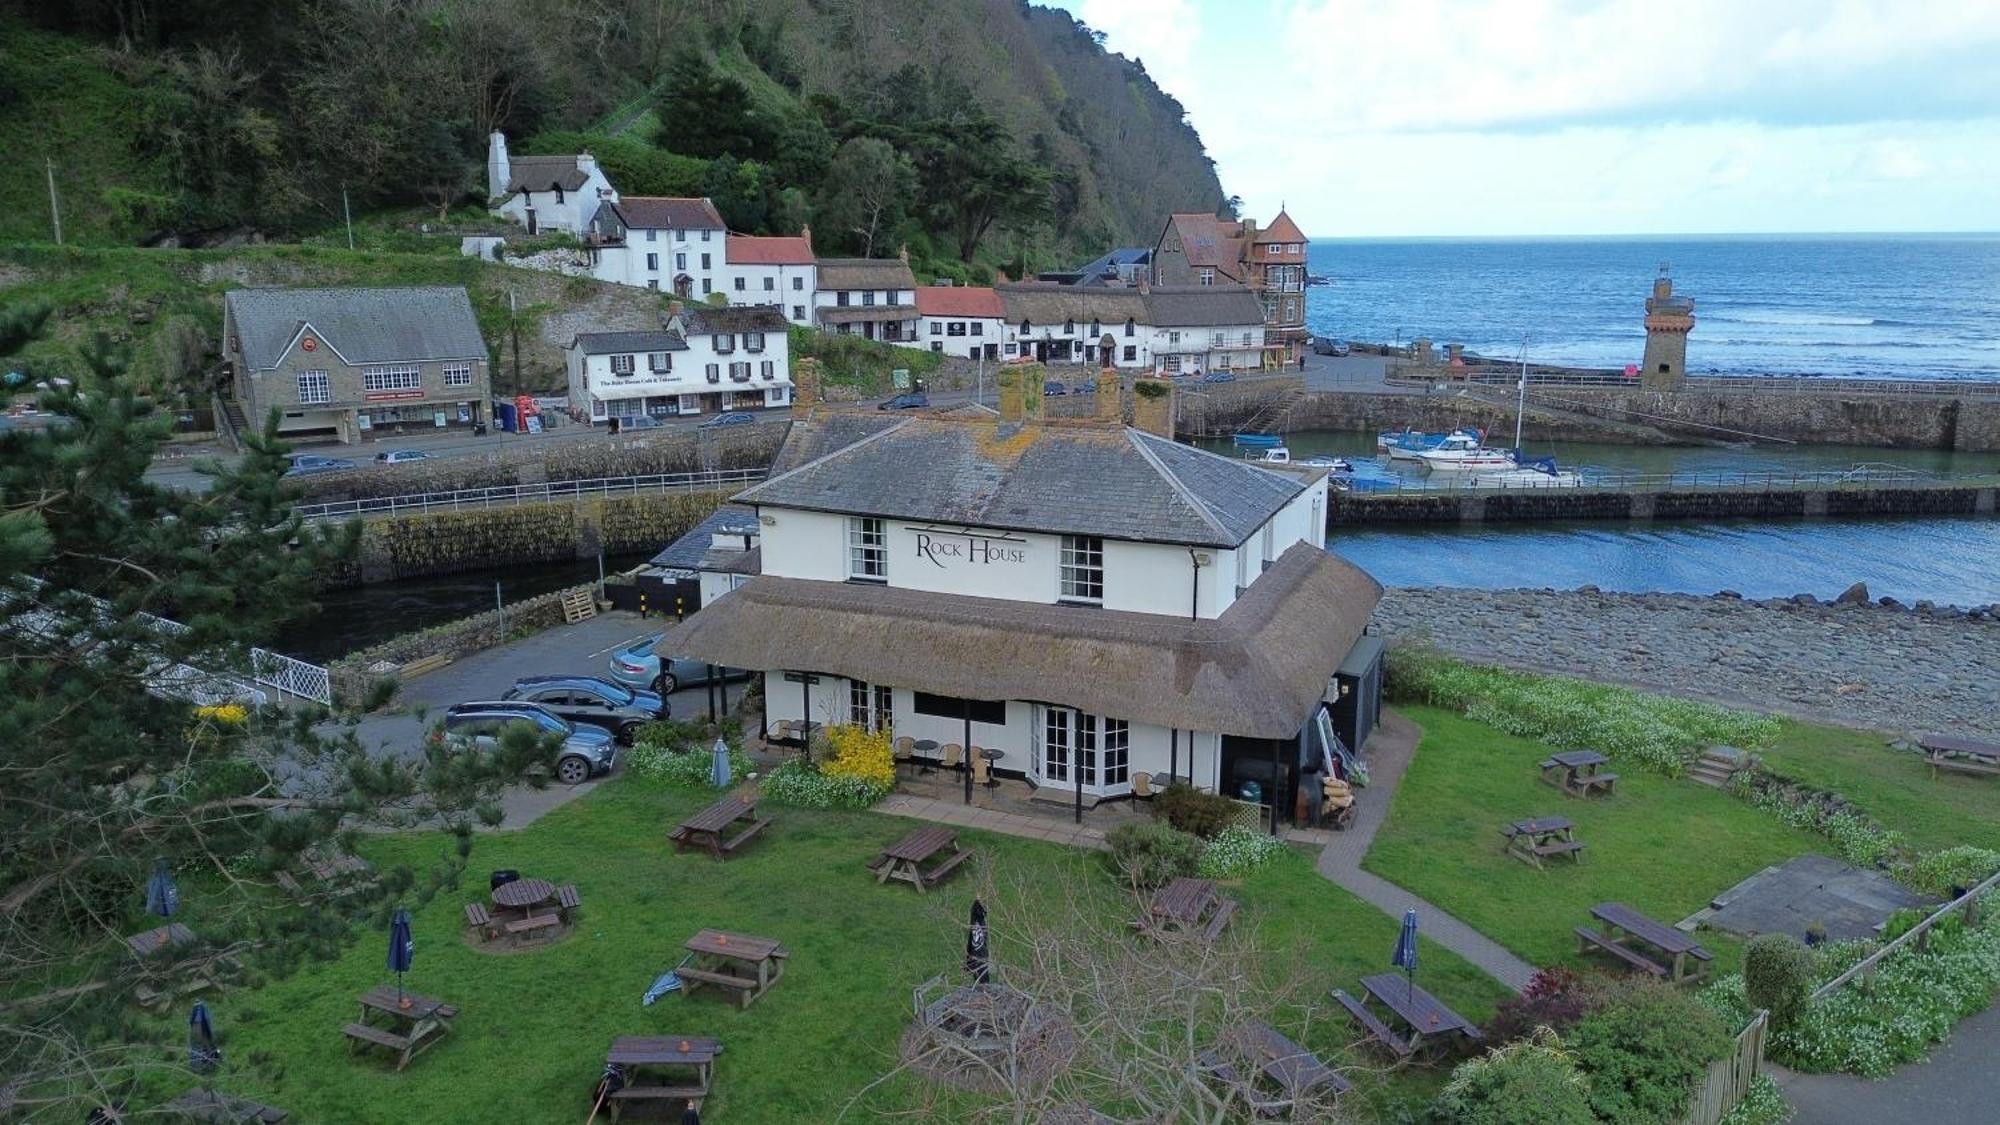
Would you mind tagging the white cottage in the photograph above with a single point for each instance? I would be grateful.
(1200, 328)
(776, 270)
(704, 361)
(1093, 601)
(542, 193)
(673, 243)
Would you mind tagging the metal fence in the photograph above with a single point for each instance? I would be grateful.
(292, 676)
(1711, 480)
(503, 496)
(1413, 375)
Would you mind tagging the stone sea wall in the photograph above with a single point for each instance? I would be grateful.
(1496, 506)
(1875, 665)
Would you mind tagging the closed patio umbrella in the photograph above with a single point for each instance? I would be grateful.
(719, 771)
(975, 944)
(401, 947)
(1405, 957)
(162, 897)
(202, 1052)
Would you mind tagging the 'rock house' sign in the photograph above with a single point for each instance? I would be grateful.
(944, 548)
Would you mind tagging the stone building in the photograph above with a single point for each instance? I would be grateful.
(342, 363)
(1201, 249)
(1669, 319)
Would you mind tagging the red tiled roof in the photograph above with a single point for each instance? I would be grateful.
(781, 250)
(1282, 229)
(959, 300)
(663, 212)
(1211, 242)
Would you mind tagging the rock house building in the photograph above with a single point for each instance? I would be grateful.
(1091, 599)
(344, 363)
(702, 361)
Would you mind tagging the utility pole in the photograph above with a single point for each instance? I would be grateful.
(348, 215)
(55, 206)
(514, 330)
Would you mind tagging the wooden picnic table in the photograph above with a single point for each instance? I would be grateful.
(905, 858)
(1425, 1017)
(523, 894)
(159, 939)
(1622, 925)
(630, 1053)
(747, 964)
(705, 829)
(1538, 838)
(1297, 1072)
(1186, 907)
(1962, 755)
(1577, 772)
(410, 1024)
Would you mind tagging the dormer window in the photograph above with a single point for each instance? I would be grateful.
(559, 193)
(1025, 327)
(1096, 329)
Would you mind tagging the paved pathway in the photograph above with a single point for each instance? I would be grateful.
(1958, 1083)
(1390, 749)
(992, 820)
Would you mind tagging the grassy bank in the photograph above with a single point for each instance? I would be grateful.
(867, 366)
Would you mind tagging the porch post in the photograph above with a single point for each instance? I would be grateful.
(805, 716)
(965, 760)
(1174, 754)
(1277, 786)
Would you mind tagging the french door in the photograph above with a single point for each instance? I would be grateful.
(1097, 749)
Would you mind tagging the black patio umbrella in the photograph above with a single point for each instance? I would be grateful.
(401, 947)
(690, 1116)
(203, 1055)
(975, 944)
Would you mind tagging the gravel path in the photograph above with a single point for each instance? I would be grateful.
(1858, 664)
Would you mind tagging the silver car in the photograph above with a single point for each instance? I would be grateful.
(637, 665)
(586, 749)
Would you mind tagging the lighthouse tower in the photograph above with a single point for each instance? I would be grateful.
(1669, 319)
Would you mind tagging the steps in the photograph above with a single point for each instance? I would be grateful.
(234, 424)
(1716, 764)
(1271, 416)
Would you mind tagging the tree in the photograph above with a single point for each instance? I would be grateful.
(867, 195)
(707, 113)
(439, 165)
(973, 177)
(108, 762)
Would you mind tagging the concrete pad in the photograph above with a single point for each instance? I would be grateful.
(1847, 901)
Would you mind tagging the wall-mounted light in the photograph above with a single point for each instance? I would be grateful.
(767, 521)
(1203, 558)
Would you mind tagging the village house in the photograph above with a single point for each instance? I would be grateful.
(702, 361)
(1198, 329)
(673, 243)
(1201, 249)
(777, 271)
(1063, 324)
(345, 363)
(1127, 265)
(1092, 601)
(962, 320)
(546, 193)
(870, 297)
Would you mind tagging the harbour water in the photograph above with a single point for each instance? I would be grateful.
(1876, 306)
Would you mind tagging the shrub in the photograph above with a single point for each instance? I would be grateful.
(862, 755)
(1190, 810)
(1762, 1104)
(681, 769)
(1962, 867)
(1530, 1081)
(1149, 854)
(1236, 850)
(1777, 976)
(1556, 998)
(1643, 1050)
(798, 784)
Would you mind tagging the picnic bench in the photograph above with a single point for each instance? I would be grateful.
(905, 858)
(707, 828)
(1544, 837)
(411, 1025)
(1624, 925)
(517, 902)
(335, 873)
(1187, 907)
(1295, 1071)
(743, 963)
(1576, 772)
(1960, 755)
(630, 1053)
(1423, 1017)
(159, 939)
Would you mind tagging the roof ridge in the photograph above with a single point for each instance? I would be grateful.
(1200, 506)
(748, 495)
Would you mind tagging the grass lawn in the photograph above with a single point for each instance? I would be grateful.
(1895, 788)
(1665, 847)
(535, 1025)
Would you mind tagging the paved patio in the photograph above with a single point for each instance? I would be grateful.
(1848, 902)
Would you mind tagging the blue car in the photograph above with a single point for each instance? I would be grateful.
(1052, 388)
(731, 419)
(910, 401)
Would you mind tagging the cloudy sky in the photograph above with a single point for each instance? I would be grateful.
(1509, 117)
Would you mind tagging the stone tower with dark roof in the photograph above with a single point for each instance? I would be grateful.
(1669, 319)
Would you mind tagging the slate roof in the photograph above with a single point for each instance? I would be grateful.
(663, 212)
(620, 343)
(1103, 270)
(544, 173)
(988, 473)
(775, 250)
(737, 318)
(1203, 306)
(959, 300)
(409, 325)
(865, 273)
(1042, 303)
(687, 552)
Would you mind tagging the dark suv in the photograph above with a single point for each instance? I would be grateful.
(586, 749)
(593, 700)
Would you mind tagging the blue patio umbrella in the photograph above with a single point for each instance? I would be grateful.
(1405, 957)
(162, 897)
(719, 771)
(401, 947)
(203, 1054)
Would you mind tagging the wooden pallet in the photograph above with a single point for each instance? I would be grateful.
(579, 604)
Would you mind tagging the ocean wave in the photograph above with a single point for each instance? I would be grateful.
(1792, 319)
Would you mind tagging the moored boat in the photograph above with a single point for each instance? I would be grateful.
(1462, 453)
(1540, 473)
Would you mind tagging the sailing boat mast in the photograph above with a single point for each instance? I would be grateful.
(1521, 402)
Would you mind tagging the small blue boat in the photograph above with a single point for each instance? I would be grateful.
(1259, 441)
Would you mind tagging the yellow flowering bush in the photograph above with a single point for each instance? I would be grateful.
(861, 754)
(234, 714)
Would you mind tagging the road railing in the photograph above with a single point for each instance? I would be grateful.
(1861, 477)
(1502, 375)
(504, 496)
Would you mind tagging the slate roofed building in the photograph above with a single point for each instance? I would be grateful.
(870, 297)
(344, 363)
(701, 361)
(546, 193)
(671, 243)
(1103, 607)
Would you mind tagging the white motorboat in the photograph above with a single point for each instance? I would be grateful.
(1533, 474)
(1408, 445)
(1462, 453)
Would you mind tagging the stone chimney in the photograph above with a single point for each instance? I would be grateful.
(1249, 232)
(904, 254)
(586, 163)
(1021, 392)
(1010, 393)
(1145, 283)
(499, 169)
(1454, 354)
(1000, 277)
(1110, 396)
(1153, 406)
(806, 232)
(805, 385)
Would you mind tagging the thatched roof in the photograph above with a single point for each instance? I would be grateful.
(1043, 304)
(1256, 671)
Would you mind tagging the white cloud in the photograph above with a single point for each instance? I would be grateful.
(1161, 33)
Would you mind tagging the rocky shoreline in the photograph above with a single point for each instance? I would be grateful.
(1850, 662)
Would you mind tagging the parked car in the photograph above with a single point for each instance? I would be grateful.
(400, 456)
(636, 422)
(1219, 377)
(593, 700)
(1053, 387)
(637, 665)
(909, 401)
(586, 749)
(734, 418)
(305, 463)
(1086, 387)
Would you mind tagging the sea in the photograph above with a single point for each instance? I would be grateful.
(1855, 306)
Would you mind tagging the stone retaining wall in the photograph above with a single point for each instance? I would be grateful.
(353, 674)
(1354, 508)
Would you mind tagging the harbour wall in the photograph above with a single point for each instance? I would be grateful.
(1467, 506)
